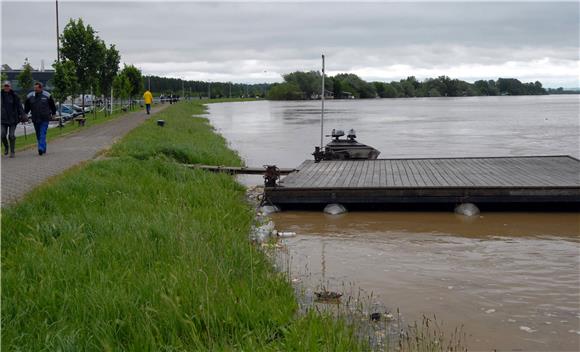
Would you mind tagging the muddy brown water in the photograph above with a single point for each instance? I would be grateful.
(512, 279)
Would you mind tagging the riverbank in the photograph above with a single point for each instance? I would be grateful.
(139, 253)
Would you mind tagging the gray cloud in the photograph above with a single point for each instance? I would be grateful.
(260, 41)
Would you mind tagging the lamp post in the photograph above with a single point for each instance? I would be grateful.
(57, 35)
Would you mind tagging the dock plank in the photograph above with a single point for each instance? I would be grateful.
(541, 178)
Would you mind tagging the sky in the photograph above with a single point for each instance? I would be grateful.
(259, 41)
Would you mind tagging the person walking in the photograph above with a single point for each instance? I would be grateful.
(42, 106)
(11, 114)
(148, 99)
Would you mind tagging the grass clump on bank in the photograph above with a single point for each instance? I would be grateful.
(138, 253)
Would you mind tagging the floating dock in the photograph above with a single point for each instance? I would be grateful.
(528, 179)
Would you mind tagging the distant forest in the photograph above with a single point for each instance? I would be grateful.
(164, 85)
(307, 85)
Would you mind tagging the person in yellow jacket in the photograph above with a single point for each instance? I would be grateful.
(148, 98)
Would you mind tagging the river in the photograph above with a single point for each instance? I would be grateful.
(512, 279)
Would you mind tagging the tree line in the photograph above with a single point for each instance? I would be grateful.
(165, 85)
(301, 85)
(86, 65)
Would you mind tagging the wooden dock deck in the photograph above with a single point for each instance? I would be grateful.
(533, 179)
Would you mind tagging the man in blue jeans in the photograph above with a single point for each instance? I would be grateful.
(41, 105)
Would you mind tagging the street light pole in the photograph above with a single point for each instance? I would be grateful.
(322, 110)
(57, 35)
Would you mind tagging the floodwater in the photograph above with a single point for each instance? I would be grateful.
(512, 279)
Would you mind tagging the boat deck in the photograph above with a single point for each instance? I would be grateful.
(489, 179)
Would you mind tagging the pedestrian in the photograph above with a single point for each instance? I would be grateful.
(148, 99)
(42, 106)
(11, 114)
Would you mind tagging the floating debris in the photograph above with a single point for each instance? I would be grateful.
(527, 329)
(286, 234)
(328, 296)
(489, 311)
(263, 232)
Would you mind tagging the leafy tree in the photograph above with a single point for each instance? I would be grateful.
(389, 91)
(25, 81)
(108, 70)
(356, 85)
(64, 81)
(122, 87)
(285, 91)
(81, 45)
(433, 92)
(408, 88)
(3, 76)
(133, 75)
(308, 82)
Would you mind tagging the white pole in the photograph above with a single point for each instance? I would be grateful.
(111, 100)
(322, 114)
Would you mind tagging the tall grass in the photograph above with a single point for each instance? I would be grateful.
(138, 253)
(185, 138)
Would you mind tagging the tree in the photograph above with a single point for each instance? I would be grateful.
(64, 81)
(285, 91)
(81, 45)
(308, 82)
(3, 76)
(121, 87)
(389, 91)
(433, 92)
(133, 75)
(109, 70)
(25, 81)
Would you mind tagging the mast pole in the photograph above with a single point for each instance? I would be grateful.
(322, 111)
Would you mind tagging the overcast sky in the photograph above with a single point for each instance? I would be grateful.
(259, 41)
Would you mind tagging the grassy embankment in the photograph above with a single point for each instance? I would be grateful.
(137, 253)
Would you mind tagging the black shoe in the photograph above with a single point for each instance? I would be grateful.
(40, 152)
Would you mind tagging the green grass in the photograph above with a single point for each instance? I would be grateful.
(138, 253)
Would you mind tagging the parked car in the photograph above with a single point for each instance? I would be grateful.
(67, 112)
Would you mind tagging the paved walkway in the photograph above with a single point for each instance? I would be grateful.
(28, 170)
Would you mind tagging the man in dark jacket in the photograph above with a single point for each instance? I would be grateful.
(42, 106)
(11, 113)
